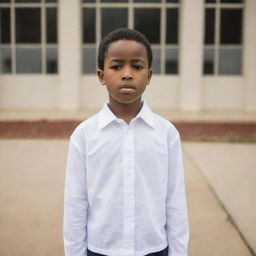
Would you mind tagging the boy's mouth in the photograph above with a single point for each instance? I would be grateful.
(127, 88)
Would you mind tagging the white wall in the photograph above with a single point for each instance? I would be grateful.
(29, 92)
(187, 91)
(223, 93)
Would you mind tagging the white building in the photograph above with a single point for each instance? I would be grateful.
(204, 50)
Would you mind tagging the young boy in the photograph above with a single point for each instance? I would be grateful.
(124, 191)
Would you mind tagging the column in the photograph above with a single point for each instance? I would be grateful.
(192, 29)
(69, 53)
(250, 54)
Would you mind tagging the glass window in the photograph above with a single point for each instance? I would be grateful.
(231, 1)
(89, 25)
(223, 37)
(146, 1)
(5, 60)
(231, 26)
(147, 21)
(208, 61)
(171, 62)
(172, 26)
(156, 65)
(28, 60)
(89, 60)
(28, 25)
(27, 1)
(113, 1)
(113, 18)
(52, 60)
(5, 23)
(230, 61)
(51, 25)
(33, 47)
(209, 26)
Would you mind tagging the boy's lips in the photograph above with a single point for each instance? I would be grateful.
(127, 88)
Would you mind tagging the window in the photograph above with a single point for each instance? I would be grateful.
(158, 20)
(223, 39)
(28, 36)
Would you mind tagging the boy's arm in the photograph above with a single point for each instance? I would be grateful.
(176, 208)
(75, 202)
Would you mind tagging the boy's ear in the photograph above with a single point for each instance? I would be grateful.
(100, 74)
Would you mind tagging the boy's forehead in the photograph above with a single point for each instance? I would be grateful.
(126, 48)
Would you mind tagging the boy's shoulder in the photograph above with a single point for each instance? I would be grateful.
(163, 123)
(88, 124)
(167, 128)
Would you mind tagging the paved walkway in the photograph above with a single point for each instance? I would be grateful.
(229, 171)
(220, 190)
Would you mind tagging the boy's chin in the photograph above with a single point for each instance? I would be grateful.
(125, 101)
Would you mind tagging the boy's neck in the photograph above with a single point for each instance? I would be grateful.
(125, 111)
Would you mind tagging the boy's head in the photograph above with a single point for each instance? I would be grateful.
(123, 34)
(124, 62)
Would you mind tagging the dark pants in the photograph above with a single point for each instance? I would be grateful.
(164, 252)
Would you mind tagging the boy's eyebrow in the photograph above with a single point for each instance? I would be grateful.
(122, 61)
(117, 60)
(138, 60)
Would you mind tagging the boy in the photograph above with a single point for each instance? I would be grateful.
(124, 191)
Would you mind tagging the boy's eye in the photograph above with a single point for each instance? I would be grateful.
(116, 67)
(137, 67)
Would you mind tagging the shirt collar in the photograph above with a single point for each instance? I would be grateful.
(106, 116)
(146, 115)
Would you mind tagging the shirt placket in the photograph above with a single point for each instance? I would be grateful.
(129, 190)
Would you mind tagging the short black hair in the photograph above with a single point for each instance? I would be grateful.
(122, 34)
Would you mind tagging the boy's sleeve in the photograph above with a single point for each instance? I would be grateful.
(176, 207)
(75, 202)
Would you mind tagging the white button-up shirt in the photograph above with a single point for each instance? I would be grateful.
(124, 190)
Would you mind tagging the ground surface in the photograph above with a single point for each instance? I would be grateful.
(219, 183)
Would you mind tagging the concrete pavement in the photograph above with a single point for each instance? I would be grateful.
(230, 171)
(219, 185)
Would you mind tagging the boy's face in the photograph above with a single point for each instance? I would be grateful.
(126, 72)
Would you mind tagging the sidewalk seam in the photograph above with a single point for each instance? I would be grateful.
(229, 216)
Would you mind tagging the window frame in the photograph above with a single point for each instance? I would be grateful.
(218, 6)
(130, 5)
(43, 46)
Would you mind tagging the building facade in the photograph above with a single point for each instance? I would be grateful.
(204, 52)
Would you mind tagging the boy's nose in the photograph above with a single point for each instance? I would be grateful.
(127, 74)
